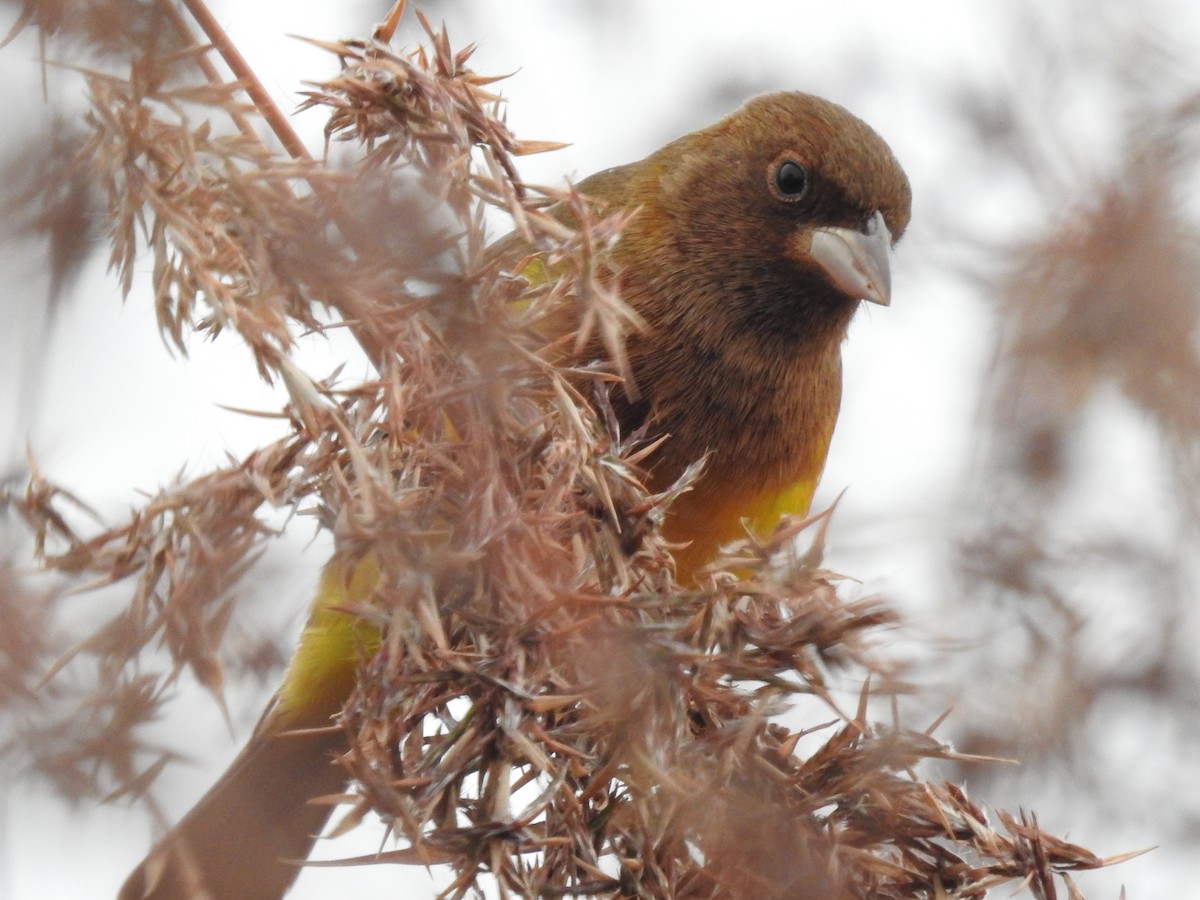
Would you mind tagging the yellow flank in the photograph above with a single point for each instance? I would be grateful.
(770, 508)
(535, 270)
(765, 511)
(712, 515)
(720, 508)
(321, 674)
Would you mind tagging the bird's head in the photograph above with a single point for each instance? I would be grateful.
(784, 210)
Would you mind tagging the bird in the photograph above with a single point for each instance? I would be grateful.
(751, 244)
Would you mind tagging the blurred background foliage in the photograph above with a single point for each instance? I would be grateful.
(1021, 430)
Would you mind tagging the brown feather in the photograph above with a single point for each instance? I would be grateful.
(740, 364)
(245, 837)
(740, 360)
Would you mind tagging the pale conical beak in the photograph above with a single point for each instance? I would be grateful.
(858, 263)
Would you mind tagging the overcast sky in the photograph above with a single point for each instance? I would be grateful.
(616, 79)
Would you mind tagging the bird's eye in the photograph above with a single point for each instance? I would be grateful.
(789, 180)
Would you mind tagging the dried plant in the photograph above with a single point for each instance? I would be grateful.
(1098, 311)
(546, 707)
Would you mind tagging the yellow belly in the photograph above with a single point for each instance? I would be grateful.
(705, 519)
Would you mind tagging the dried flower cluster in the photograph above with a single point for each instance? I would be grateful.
(547, 708)
(1097, 314)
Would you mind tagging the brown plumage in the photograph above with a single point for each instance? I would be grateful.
(242, 838)
(741, 357)
(753, 242)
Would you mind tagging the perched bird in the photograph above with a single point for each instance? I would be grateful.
(752, 243)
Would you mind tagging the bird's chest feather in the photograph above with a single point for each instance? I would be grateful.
(761, 417)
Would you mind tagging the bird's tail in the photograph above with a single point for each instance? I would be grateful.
(243, 839)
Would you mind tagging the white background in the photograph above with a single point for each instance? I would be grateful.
(617, 80)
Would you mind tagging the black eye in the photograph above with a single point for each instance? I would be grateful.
(789, 180)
